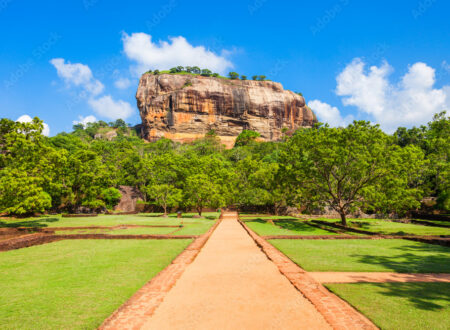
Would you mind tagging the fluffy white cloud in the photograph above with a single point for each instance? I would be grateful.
(163, 55)
(328, 114)
(122, 83)
(84, 120)
(106, 106)
(28, 119)
(77, 74)
(411, 101)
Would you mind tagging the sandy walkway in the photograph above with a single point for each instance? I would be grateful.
(349, 277)
(232, 285)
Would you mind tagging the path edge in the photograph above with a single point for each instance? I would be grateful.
(153, 292)
(337, 312)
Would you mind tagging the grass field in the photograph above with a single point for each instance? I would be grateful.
(287, 227)
(125, 231)
(386, 255)
(76, 284)
(103, 220)
(400, 305)
(246, 217)
(393, 228)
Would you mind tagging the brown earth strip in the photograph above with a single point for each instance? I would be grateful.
(376, 277)
(135, 312)
(338, 313)
(27, 241)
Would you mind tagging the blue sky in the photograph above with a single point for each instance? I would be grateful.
(385, 61)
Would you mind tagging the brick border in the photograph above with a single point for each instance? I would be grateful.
(337, 312)
(136, 311)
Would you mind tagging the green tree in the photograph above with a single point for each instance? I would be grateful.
(111, 196)
(233, 75)
(201, 192)
(196, 70)
(179, 68)
(206, 72)
(243, 77)
(165, 195)
(346, 168)
(246, 137)
(255, 77)
(21, 194)
(262, 78)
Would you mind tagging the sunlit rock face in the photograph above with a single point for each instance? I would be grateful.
(185, 107)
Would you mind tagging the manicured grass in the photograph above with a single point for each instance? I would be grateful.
(76, 284)
(125, 231)
(287, 227)
(400, 305)
(198, 228)
(268, 217)
(436, 222)
(105, 220)
(394, 228)
(385, 255)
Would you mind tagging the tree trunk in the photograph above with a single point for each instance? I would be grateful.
(343, 218)
(165, 211)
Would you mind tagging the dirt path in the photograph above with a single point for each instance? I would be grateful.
(355, 277)
(232, 285)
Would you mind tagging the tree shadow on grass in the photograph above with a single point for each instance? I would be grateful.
(412, 260)
(425, 296)
(37, 223)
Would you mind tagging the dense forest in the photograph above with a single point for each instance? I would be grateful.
(357, 167)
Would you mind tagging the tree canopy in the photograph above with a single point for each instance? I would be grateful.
(357, 167)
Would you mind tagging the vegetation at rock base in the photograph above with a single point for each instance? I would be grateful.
(357, 167)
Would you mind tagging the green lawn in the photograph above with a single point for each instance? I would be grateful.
(394, 228)
(436, 222)
(385, 255)
(199, 227)
(126, 231)
(76, 284)
(400, 306)
(287, 227)
(267, 217)
(104, 220)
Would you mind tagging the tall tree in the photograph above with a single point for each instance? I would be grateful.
(343, 167)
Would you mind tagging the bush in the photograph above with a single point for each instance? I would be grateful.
(111, 196)
(233, 75)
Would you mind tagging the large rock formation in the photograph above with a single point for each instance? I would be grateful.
(185, 107)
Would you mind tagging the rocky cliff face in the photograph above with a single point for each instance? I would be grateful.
(185, 107)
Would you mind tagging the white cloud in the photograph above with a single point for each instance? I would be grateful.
(84, 120)
(107, 107)
(411, 101)
(163, 55)
(122, 83)
(77, 74)
(328, 114)
(28, 119)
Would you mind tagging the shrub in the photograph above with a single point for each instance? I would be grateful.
(233, 75)
(111, 196)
